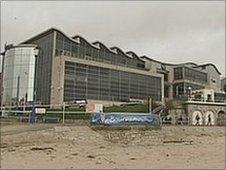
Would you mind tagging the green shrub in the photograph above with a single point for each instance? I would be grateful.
(142, 108)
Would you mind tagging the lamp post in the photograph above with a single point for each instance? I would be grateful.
(25, 91)
(32, 117)
(177, 91)
(2, 89)
(150, 104)
(189, 92)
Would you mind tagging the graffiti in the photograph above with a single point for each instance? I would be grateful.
(124, 119)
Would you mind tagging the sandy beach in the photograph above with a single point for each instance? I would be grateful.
(80, 147)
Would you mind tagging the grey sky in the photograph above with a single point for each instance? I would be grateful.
(168, 31)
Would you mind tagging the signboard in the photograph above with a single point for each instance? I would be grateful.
(40, 110)
(98, 108)
(94, 107)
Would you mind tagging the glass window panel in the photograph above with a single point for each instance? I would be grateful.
(107, 84)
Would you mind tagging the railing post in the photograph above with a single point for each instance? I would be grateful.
(63, 111)
(150, 104)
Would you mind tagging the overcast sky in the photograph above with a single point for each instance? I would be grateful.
(168, 31)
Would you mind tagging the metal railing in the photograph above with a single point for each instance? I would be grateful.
(201, 99)
(215, 100)
(24, 115)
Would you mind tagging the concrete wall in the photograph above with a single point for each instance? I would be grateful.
(170, 80)
(223, 85)
(154, 65)
(57, 85)
(106, 103)
(175, 114)
(213, 78)
(204, 109)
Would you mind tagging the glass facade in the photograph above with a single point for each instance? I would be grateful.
(190, 74)
(18, 75)
(85, 50)
(91, 82)
(183, 88)
(178, 73)
(82, 49)
(194, 75)
(44, 66)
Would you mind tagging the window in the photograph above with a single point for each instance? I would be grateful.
(195, 75)
(99, 83)
(178, 73)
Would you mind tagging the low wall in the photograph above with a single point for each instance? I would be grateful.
(134, 136)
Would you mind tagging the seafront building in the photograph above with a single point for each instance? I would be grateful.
(71, 68)
(223, 85)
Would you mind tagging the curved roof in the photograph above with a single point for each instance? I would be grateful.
(209, 64)
(46, 31)
(118, 50)
(100, 44)
(77, 39)
(184, 64)
(127, 54)
(134, 55)
(169, 64)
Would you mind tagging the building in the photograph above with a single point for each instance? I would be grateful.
(180, 79)
(18, 74)
(71, 68)
(1, 88)
(223, 85)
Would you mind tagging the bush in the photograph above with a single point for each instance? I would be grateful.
(137, 108)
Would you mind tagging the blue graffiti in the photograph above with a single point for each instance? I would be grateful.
(124, 119)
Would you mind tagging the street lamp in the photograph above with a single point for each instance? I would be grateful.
(189, 92)
(32, 117)
(177, 91)
(25, 91)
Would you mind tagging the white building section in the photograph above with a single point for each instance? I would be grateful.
(19, 74)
